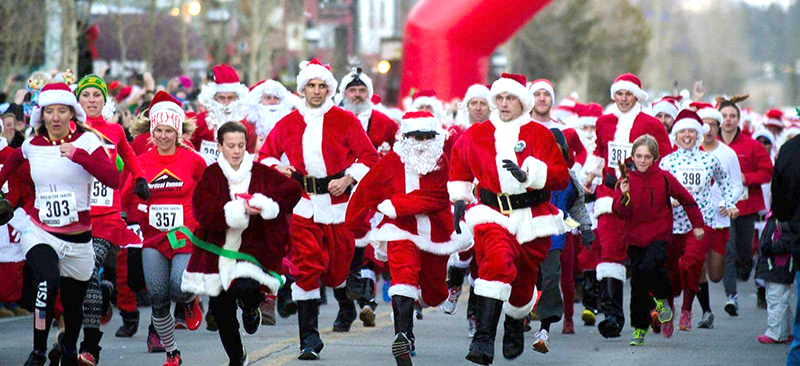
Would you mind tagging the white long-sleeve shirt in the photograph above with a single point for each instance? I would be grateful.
(730, 163)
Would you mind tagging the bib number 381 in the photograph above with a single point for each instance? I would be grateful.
(166, 217)
(618, 151)
(58, 209)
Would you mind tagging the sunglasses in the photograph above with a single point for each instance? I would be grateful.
(421, 137)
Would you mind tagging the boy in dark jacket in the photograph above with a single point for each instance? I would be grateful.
(775, 268)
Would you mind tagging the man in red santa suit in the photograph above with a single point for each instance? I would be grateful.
(513, 219)
(543, 96)
(223, 100)
(356, 94)
(616, 132)
(328, 152)
(409, 187)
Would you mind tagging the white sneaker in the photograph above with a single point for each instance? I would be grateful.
(542, 343)
(450, 306)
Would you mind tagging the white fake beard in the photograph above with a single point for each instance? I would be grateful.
(357, 108)
(589, 139)
(420, 157)
(218, 114)
(265, 117)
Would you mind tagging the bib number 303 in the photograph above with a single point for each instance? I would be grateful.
(58, 209)
(166, 217)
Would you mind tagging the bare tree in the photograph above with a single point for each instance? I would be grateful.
(69, 35)
(263, 37)
(21, 36)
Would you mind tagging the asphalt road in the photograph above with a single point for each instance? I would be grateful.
(442, 340)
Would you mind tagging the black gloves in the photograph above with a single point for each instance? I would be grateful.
(587, 238)
(6, 210)
(141, 190)
(514, 169)
(459, 208)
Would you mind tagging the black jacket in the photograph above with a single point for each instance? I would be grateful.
(786, 182)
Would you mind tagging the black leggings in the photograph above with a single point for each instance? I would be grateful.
(224, 308)
(47, 279)
(648, 275)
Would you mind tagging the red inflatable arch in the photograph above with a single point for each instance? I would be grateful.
(447, 43)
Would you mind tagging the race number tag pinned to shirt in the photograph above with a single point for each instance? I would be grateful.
(209, 149)
(618, 151)
(58, 209)
(102, 195)
(166, 217)
(692, 178)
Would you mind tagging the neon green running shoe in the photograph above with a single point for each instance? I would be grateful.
(664, 310)
(637, 339)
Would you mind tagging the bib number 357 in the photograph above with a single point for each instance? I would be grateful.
(166, 217)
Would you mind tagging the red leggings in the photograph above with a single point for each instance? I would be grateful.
(322, 252)
(414, 270)
(685, 258)
(568, 260)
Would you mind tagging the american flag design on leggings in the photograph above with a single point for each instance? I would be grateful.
(40, 317)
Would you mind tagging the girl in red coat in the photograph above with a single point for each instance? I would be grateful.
(642, 201)
(172, 172)
(242, 235)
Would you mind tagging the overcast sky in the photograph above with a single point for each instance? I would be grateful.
(785, 3)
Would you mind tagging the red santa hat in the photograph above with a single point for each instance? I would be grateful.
(514, 84)
(667, 105)
(476, 91)
(360, 78)
(427, 97)
(225, 79)
(420, 122)
(376, 99)
(315, 70)
(774, 118)
(587, 114)
(688, 119)
(542, 84)
(166, 110)
(706, 110)
(266, 87)
(56, 93)
(631, 83)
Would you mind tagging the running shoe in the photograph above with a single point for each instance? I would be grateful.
(655, 324)
(36, 359)
(245, 360)
(568, 327)
(542, 343)
(194, 314)
(367, 316)
(418, 310)
(472, 322)
(450, 306)
(154, 344)
(107, 288)
(267, 309)
(20, 311)
(56, 351)
(87, 359)
(5, 312)
(211, 322)
(251, 319)
(308, 354)
(664, 310)
(173, 358)
(588, 317)
(637, 339)
(180, 316)
(401, 350)
(732, 306)
(706, 321)
(685, 322)
(668, 328)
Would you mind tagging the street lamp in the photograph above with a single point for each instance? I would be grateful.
(175, 11)
(384, 66)
(194, 8)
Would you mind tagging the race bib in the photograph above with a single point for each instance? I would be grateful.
(691, 178)
(166, 217)
(618, 151)
(102, 195)
(210, 149)
(58, 209)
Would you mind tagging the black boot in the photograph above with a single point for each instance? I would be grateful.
(91, 343)
(323, 294)
(403, 309)
(611, 306)
(36, 359)
(367, 304)
(130, 324)
(355, 284)
(513, 337)
(481, 350)
(591, 291)
(455, 276)
(347, 311)
(286, 307)
(307, 319)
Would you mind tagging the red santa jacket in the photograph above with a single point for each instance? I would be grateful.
(756, 169)
(204, 138)
(320, 142)
(415, 208)
(621, 129)
(454, 132)
(478, 154)
(224, 223)
(381, 130)
(648, 215)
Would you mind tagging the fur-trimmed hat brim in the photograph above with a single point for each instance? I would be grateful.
(506, 85)
(53, 97)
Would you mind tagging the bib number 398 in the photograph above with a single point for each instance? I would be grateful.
(166, 217)
(102, 195)
(58, 209)
(693, 179)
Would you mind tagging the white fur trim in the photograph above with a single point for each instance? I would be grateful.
(585, 121)
(457, 242)
(269, 208)
(201, 283)
(363, 241)
(537, 172)
(541, 84)
(710, 113)
(436, 104)
(455, 261)
(268, 87)
(228, 87)
(520, 223)
(511, 86)
(368, 273)
(404, 290)
(523, 311)
(603, 205)
(244, 269)
(689, 123)
(610, 270)
(493, 289)
(428, 124)
(594, 164)
(664, 106)
(51, 97)
(270, 161)
(298, 294)
(309, 72)
(235, 215)
(625, 121)
(460, 190)
(363, 77)
(240, 175)
(387, 208)
(640, 94)
(312, 139)
(479, 91)
(320, 208)
(357, 171)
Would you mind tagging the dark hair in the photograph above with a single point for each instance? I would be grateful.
(728, 103)
(42, 130)
(228, 127)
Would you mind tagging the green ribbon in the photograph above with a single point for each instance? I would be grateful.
(120, 164)
(222, 252)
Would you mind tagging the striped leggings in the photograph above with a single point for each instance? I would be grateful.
(163, 279)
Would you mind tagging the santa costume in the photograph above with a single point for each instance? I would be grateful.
(262, 116)
(322, 144)
(204, 139)
(409, 187)
(512, 220)
(616, 132)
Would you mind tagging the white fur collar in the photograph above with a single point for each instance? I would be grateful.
(499, 124)
(3, 142)
(633, 112)
(364, 118)
(305, 110)
(236, 176)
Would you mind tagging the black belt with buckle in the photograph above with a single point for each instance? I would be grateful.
(510, 202)
(314, 185)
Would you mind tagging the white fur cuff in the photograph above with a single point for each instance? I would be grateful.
(387, 208)
(270, 161)
(460, 191)
(537, 172)
(269, 208)
(524, 310)
(610, 270)
(493, 289)
(594, 164)
(357, 171)
(404, 290)
(298, 294)
(235, 215)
